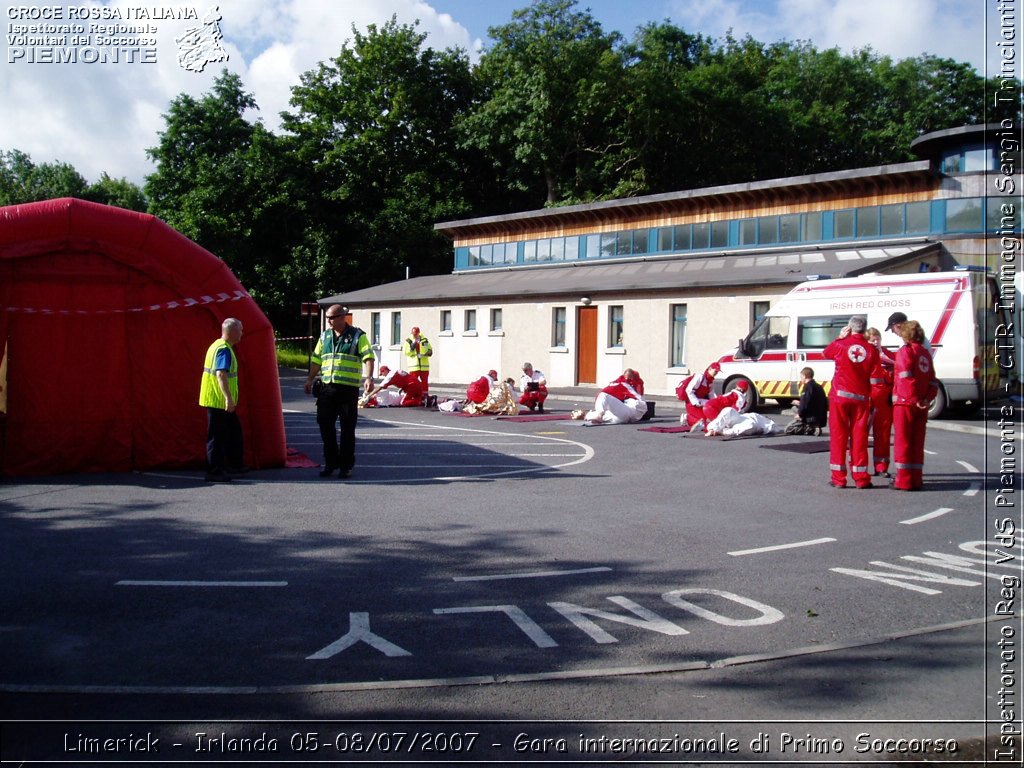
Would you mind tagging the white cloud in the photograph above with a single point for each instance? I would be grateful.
(102, 117)
(896, 28)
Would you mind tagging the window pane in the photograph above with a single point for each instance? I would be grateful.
(615, 326)
(789, 228)
(867, 221)
(748, 232)
(919, 217)
(530, 250)
(544, 250)
(558, 327)
(572, 248)
(665, 239)
(608, 244)
(768, 229)
(470, 319)
(593, 246)
(474, 255)
(446, 319)
(892, 219)
(758, 309)
(1003, 215)
(640, 239)
(678, 353)
(623, 243)
(496, 319)
(557, 248)
(701, 235)
(978, 160)
(375, 327)
(681, 237)
(963, 215)
(396, 328)
(811, 223)
(719, 234)
(819, 332)
(844, 224)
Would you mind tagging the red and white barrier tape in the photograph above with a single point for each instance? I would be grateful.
(202, 301)
(295, 338)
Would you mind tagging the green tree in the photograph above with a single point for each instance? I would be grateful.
(22, 181)
(372, 130)
(117, 192)
(224, 182)
(552, 90)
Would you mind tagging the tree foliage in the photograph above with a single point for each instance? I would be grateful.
(391, 136)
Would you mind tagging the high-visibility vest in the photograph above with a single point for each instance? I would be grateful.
(342, 363)
(210, 393)
(418, 360)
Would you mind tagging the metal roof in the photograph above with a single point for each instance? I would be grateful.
(654, 274)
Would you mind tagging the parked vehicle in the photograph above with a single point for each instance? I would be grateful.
(958, 311)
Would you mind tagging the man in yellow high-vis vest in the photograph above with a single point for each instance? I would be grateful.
(339, 357)
(218, 393)
(417, 348)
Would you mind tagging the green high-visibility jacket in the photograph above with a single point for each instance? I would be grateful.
(210, 393)
(341, 360)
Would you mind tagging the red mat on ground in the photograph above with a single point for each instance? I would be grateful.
(536, 417)
(298, 460)
(678, 428)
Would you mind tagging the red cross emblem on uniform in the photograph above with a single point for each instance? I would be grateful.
(923, 365)
(857, 353)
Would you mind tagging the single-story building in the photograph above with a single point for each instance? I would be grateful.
(667, 283)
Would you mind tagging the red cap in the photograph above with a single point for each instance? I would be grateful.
(384, 370)
(415, 329)
(743, 384)
(493, 374)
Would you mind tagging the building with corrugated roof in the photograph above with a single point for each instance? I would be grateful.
(666, 283)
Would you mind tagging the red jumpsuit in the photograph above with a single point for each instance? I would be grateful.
(409, 383)
(734, 399)
(849, 409)
(479, 389)
(695, 391)
(881, 416)
(915, 388)
(534, 398)
(619, 392)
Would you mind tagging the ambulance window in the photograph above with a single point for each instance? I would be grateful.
(819, 332)
(772, 333)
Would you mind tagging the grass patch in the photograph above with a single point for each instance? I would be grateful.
(292, 354)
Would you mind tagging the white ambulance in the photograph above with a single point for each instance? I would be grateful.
(956, 310)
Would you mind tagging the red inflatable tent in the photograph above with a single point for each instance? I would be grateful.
(105, 318)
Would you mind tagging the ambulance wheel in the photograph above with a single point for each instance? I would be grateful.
(752, 400)
(938, 404)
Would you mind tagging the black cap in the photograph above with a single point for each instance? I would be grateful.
(895, 317)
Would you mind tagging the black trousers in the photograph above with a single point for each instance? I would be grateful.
(338, 404)
(224, 446)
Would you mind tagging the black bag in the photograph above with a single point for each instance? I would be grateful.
(318, 387)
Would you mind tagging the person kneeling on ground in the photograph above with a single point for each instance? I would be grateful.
(501, 401)
(621, 402)
(410, 394)
(737, 398)
(535, 388)
(695, 391)
(479, 389)
(812, 410)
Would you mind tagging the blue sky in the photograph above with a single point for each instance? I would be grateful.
(101, 117)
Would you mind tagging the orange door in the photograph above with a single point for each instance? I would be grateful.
(586, 345)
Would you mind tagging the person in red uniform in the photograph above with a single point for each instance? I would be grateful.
(535, 388)
(915, 389)
(881, 406)
(479, 390)
(737, 398)
(412, 389)
(695, 390)
(849, 413)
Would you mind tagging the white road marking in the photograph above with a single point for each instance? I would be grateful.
(153, 583)
(968, 467)
(973, 490)
(531, 575)
(518, 616)
(931, 515)
(794, 545)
